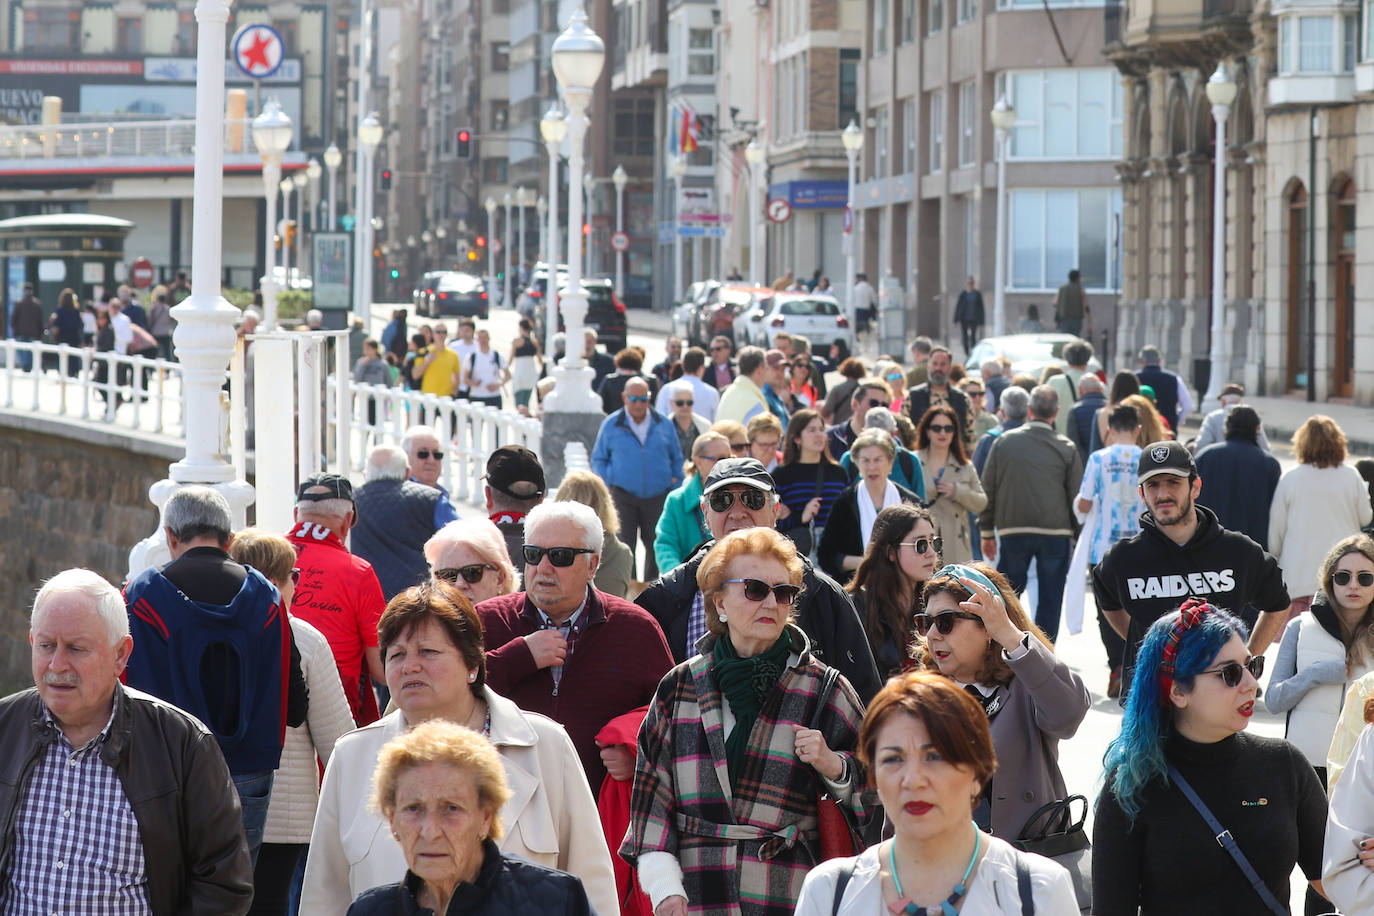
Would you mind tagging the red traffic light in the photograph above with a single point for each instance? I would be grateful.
(586, 229)
(481, 241)
(464, 136)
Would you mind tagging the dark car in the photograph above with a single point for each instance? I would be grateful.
(459, 294)
(605, 315)
(638, 292)
(419, 296)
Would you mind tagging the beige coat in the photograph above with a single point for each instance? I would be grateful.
(550, 819)
(951, 515)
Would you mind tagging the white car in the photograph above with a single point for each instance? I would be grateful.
(1029, 353)
(816, 316)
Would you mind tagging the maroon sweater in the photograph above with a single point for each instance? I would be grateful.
(615, 666)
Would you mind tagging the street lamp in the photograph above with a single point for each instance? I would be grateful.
(753, 154)
(490, 207)
(589, 189)
(619, 179)
(853, 139)
(522, 198)
(287, 186)
(313, 171)
(271, 135)
(332, 160)
(301, 179)
(679, 168)
(1221, 92)
(541, 209)
(369, 136)
(553, 129)
(578, 55)
(509, 201)
(1003, 120)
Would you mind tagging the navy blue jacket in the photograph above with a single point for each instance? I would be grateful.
(647, 470)
(1165, 385)
(1082, 420)
(1238, 482)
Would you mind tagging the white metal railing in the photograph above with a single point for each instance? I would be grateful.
(162, 138)
(132, 392)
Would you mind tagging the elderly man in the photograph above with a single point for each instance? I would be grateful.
(185, 615)
(1031, 480)
(156, 828)
(515, 485)
(638, 455)
(1066, 384)
(564, 649)
(744, 399)
(1172, 398)
(1213, 428)
(672, 351)
(739, 494)
(722, 369)
(705, 397)
(680, 399)
(870, 393)
(1083, 416)
(994, 382)
(1239, 476)
(424, 464)
(1015, 407)
(338, 593)
(395, 518)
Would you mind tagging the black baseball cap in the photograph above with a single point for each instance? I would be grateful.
(746, 471)
(515, 471)
(1166, 457)
(319, 487)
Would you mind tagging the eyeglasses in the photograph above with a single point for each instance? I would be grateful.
(295, 577)
(712, 459)
(878, 402)
(439, 332)
(472, 573)
(424, 454)
(975, 392)
(1343, 578)
(941, 428)
(752, 499)
(757, 590)
(637, 398)
(683, 403)
(739, 447)
(921, 545)
(1233, 672)
(558, 556)
(717, 349)
(942, 622)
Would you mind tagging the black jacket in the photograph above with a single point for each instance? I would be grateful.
(918, 402)
(177, 783)
(1238, 483)
(505, 886)
(824, 613)
(842, 536)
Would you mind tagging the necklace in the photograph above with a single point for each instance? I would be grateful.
(946, 907)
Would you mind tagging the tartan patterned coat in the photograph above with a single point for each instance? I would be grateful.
(743, 852)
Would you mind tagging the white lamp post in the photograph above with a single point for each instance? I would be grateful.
(271, 135)
(332, 160)
(1003, 120)
(589, 190)
(369, 136)
(490, 207)
(301, 179)
(313, 171)
(440, 233)
(620, 179)
(509, 202)
(753, 154)
(521, 199)
(853, 139)
(1221, 92)
(553, 128)
(541, 209)
(679, 168)
(287, 186)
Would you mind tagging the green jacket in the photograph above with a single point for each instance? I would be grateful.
(680, 526)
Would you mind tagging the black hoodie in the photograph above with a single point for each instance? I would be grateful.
(1148, 576)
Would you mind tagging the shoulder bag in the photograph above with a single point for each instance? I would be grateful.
(841, 833)
(1053, 832)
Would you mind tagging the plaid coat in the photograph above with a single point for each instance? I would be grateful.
(744, 853)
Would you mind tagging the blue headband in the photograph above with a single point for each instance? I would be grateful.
(960, 571)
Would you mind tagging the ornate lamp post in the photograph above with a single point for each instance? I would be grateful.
(332, 160)
(753, 154)
(1221, 92)
(853, 139)
(619, 179)
(1003, 120)
(490, 207)
(522, 197)
(369, 136)
(301, 179)
(271, 135)
(313, 171)
(287, 187)
(541, 209)
(509, 202)
(553, 128)
(679, 169)
(589, 190)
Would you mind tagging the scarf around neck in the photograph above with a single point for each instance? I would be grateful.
(745, 683)
(869, 512)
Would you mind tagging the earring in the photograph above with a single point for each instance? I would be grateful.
(723, 618)
(395, 835)
(472, 677)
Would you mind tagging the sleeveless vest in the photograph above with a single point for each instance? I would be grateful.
(1312, 722)
(395, 518)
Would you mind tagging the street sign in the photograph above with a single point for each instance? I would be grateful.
(142, 273)
(701, 232)
(620, 241)
(258, 50)
(848, 219)
(779, 210)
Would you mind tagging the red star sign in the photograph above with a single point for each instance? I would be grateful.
(255, 57)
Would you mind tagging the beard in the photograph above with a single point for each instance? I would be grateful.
(1172, 515)
(937, 378)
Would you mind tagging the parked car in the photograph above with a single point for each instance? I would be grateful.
(638, 293)
(419, 297)
(723, 304)
(1029, 353)
(459, 294)
(531, 298)
(605, 315)
(750, 327)
(693, 299)
(817, 317)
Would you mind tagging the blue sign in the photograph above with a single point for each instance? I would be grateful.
(812, 195)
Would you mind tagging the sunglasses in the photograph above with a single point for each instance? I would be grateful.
(558, 556)
(425, 454)
(877, 402)
(1233, 672)
(472, 574)
(295, 577)
(976, 392)
(941, 428)
(739, 446)
(722, 500)
(1343, 578)
(921, 545)
(757, 590)
(683, 403)
(718, 349)
(637, 398)
(943, 622)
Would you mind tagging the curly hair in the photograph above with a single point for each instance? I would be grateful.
(1319, 441)
(441, 742)
(752, 542)
(994, 669)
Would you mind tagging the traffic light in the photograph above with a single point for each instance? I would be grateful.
(395, 274)
(472, 255)
(586, 229)
(464, 144)
(481, 241)
(386, 179)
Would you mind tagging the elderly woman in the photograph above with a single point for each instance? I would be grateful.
(431, 645)
(723, 816)
(681, 526)
(902, 555)
(850, 526)
(441, 789)
(1154, 852)
(952, 483)
(470, 554)
(616, 569)
(296, 788)
(928, 751)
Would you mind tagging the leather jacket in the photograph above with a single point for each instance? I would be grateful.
(178, 785)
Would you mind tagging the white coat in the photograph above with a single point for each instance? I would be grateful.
(1313, 508)
(1350, 817)
(551, 818)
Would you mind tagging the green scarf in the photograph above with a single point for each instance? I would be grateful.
(745, 682)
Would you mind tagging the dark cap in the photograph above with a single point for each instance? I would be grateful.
(515, 471)
(319, 487)
(1166, 457)
(746, 471)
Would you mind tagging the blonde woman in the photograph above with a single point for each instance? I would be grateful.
(681, 527)
(617, 560)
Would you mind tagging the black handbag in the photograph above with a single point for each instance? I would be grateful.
(1053, 832)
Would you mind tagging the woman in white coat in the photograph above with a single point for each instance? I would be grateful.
(1348, 849)
(431, 644)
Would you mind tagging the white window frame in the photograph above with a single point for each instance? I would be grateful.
(1113, 123)
(968, 123)
(936, 132)
(909, 148)
(882, 142)
(1048, 283)
(935, 17)
(696, 54)
(882, 13)
(967, 11)
(1344, 29)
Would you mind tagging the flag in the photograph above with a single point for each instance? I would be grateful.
(674, 131)
(691, 130)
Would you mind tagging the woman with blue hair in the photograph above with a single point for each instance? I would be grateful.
(1196, 816)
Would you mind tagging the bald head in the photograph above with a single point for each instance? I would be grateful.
(636, 399)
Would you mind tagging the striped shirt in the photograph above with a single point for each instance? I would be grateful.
(77, 845)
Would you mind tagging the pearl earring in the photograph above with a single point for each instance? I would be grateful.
(723, 618)
(472, 677)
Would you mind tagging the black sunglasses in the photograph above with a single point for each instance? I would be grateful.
(472, 573)
(877, 402)
(757, 590)
(424, 454)
(558, 556)
(722, 500)
(1233, 672)
(1343, 578)
(683, 403)
(739, 446)
(921, 545)
(940, 428)
(943, 622)
(719, 348)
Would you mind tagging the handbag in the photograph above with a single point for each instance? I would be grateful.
(840, 834)
(1227, 842)
(1053, 832)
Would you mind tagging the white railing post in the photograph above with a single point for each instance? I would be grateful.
(238, 413)
(346, 408)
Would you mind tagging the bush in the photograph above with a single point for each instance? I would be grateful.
(239, 298)
(294, 303)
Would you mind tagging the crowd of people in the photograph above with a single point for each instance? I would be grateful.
(781, 649)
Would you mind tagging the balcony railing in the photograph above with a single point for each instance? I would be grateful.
(113, 139)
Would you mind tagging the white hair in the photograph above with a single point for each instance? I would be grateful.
(415, 432)
(387, 462)
(482, 535)
(251, 313)
(585, 517)
(881, 418)
(683, 386)
(314, 317)
(196, 511)
(324, 510)
(105, 597)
